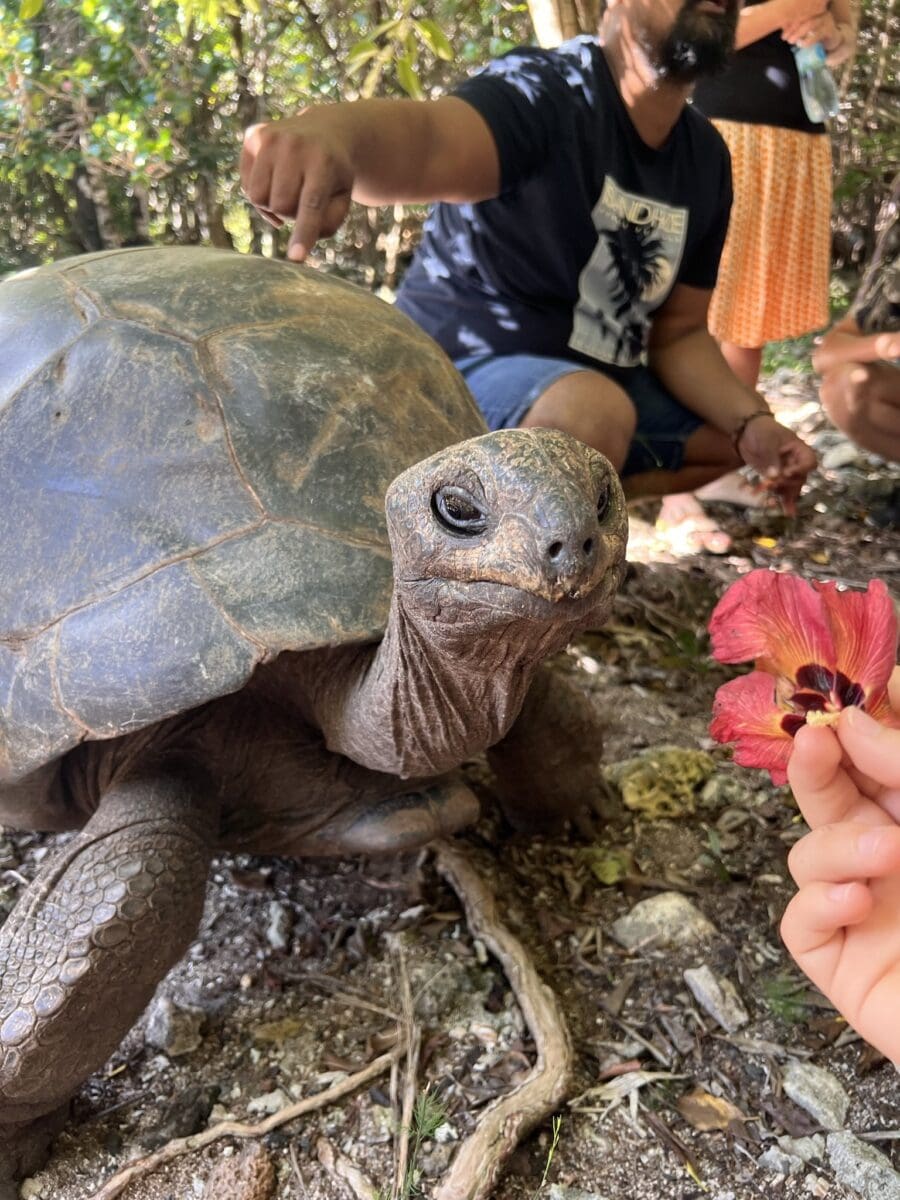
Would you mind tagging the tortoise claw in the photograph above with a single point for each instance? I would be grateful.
(396, 823)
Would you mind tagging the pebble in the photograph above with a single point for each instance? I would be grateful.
(665, 920)
(718, 997)
(817, 1092)
(558, 1191)
(862, 1167)
(173, 1029)
(782, 1164)
(280, 925)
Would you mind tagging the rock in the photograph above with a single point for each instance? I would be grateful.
(447, 1132)
(807, 1149)
(665, 920)
(558, 1191)
(249, 1176)
(818, 1092)
(280, 924)
(844, 454)
(187, 1113)
(782, 1164)
(862, 1167)
(172, 1029)
(718, 997)
(662, 781)
(269, 1102)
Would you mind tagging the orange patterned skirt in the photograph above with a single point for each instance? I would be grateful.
(773, 279)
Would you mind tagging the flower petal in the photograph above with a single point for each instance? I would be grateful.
(745, 711)
(864, 630)
(879, 707)
(778, 621)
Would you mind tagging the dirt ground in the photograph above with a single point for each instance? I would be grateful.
(297, 974)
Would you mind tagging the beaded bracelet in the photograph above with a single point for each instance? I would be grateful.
(739, 432)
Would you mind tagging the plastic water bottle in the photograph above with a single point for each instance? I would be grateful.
(817, 86)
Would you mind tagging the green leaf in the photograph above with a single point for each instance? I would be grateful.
(434, 37)
(29, 9)
(362, 50)
(407, 78)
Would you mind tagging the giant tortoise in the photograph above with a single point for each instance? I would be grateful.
(255, 594)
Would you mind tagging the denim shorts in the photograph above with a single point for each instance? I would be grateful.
(505, 387)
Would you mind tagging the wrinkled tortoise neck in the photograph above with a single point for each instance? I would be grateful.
(426, 697)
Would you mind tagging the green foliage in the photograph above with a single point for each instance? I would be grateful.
(121, 120)
(785, 996)
(554, 1142)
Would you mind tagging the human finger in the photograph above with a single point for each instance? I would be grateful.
(873, 748)
(845, 852)
(315, 202)
(256, 167)
(814, 916)
(824, 792)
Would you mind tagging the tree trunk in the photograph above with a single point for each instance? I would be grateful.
(556, 21)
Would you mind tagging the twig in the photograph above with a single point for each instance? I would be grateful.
(413, 1039)
(178, 1146)
(482, 1156)
(298, 1174)
(341, 1169)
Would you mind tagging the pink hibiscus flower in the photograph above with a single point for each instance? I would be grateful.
(816, 649)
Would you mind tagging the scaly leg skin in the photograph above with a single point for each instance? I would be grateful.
(82, 952)
(548, 765)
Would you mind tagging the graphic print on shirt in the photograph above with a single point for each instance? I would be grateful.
(630, 273)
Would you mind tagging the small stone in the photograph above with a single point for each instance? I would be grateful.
(269, 1102)
(172, 1029)
(718, 997)
(249, 1176)
(558, 1191)
(782, 1164)
(862, 1167)
(30, 1190)
(186, 1113)
(844, 454)
(664, 920)
(446, 1133)
(817, 1092)
(280, 924)
(816, 1186)
(808, 1149)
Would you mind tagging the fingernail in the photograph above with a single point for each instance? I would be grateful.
(856, 719)
(838, 892)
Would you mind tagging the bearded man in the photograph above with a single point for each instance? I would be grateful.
(580, 206)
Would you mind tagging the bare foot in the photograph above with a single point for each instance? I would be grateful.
(687, 529)
(735, 488)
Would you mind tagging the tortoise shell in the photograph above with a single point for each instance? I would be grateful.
(195, 447)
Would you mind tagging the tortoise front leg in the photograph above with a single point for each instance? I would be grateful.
(548, 765)
(91, 937)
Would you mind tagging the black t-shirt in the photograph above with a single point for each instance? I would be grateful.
(759, 87)
(591, 230)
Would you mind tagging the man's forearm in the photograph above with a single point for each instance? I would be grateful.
(402, 151)
(694, 371)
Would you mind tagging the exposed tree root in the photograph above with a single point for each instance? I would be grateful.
(480, 1159)
(178, 1146)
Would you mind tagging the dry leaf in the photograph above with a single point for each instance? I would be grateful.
(706, 1112)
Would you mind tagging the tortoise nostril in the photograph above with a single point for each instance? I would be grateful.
(588, 546)
(555, 550)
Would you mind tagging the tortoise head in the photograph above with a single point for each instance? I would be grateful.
(528, 524)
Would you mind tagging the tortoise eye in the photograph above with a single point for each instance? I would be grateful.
(603, 503)
(457, 511)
